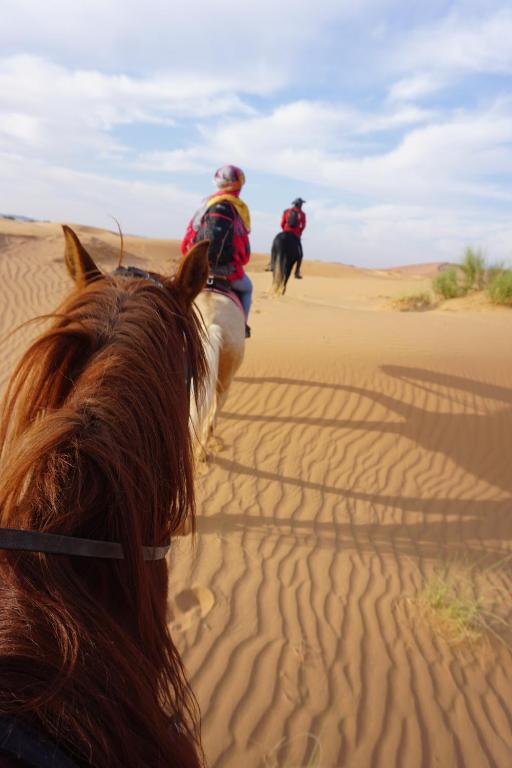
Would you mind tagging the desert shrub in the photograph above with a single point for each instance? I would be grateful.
(464, 604)
(473, 268)
(412, 302)
(455, 607)
(493, 270)
(446, 284)
(500, 287)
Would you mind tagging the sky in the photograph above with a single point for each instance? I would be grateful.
(392, 119)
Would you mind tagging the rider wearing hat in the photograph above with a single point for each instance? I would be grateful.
(294, 220)
(224, 220)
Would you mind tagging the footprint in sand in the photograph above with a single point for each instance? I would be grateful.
(190, 606)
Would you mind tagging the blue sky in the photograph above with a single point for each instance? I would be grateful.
(392, 119)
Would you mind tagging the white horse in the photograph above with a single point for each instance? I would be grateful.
(225, 344)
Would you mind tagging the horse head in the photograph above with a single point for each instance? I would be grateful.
(95, 447)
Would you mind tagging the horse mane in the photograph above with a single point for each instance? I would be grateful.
(95, 443)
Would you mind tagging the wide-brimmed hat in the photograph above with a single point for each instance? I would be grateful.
(298, 201)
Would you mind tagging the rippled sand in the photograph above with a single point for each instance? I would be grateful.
(359, 450)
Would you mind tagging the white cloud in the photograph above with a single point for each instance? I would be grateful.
(406, 115)
(53, 192)
(461, 43)
(457, 154)
(291, 139)
(258, 39)
(65, 110)
(389, 235)
(415, 87)
(192, 160)
(19, 127)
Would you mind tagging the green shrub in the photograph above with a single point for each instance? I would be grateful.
(500, 288)
(493, 270)
(464, 604)
(473, 267)
(455, 607)
(446, 284)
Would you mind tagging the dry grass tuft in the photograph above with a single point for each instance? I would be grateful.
(304, 741)
(412, 302)
(461, 612)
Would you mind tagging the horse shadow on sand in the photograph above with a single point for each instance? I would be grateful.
(472, 440)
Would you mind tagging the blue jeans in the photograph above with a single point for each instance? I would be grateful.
(243, 287)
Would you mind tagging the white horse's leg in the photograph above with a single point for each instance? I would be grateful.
(224, 351)
(202, 414)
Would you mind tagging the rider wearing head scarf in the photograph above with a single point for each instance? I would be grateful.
(224, 220)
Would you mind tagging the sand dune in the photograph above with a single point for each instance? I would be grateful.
(359, 449)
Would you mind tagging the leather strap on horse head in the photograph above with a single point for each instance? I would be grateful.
(56, 544)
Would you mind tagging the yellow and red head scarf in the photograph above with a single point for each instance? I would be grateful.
(229, 178)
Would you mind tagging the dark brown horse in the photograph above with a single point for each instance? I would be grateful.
(95, 446)
(285, 254)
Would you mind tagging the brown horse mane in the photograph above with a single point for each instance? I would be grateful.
(95, 443)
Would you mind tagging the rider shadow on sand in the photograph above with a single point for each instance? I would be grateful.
(466, 438)
(426, 538)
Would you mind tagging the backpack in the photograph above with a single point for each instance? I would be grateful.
(293, 218)
(217, 226)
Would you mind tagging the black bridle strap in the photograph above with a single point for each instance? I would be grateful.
(55, 544)
(136, 272)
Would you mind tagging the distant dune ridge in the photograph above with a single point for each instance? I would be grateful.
(359, 450)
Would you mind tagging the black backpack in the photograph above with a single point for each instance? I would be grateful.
(293, 218)
(217, 226)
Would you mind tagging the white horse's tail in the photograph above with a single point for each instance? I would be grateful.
(202, 415)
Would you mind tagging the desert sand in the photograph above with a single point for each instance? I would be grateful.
(360, 451)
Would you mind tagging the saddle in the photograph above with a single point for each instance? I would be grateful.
(221, 285)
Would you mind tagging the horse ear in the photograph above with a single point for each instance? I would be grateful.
(192, 274)
(81, 266)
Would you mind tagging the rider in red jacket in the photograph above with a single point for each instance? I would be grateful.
(224, 220)
(294, 220)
